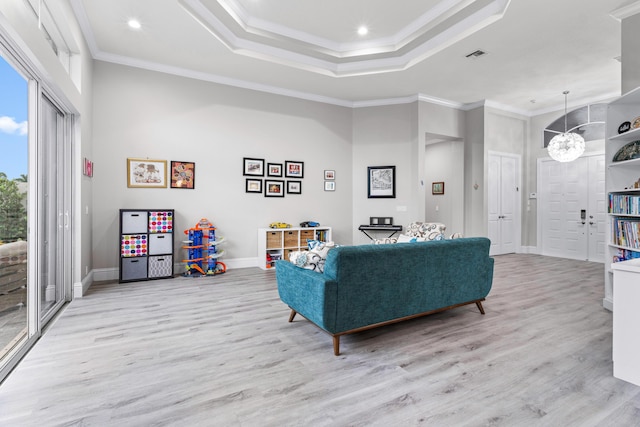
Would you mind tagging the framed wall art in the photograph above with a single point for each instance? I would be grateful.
(329, 175)
(329, 186)
(274, 169)
(253, 186)
(294, 187)
(437, 188)
(273, 188)
(146, 173)
(183, 174)
(293, 169)
(381, 182)
(252, 167)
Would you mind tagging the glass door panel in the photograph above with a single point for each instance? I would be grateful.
(13, 206)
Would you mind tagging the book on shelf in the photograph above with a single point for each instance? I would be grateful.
(625, 254)
(624, 204)
(626, 232)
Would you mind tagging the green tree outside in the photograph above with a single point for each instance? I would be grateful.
(13, 215)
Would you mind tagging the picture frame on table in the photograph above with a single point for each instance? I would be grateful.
(146, 173)
(273, 188)
(252, 167)
(293, 169)
(253, 186)
(294, 187)
(183, 174)
(381, 182)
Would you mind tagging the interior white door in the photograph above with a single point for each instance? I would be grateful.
(572, 208)
(597, 210)
(503, 207)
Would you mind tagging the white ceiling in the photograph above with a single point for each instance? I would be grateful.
(536, 49)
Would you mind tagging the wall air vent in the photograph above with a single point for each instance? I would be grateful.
(476, 54)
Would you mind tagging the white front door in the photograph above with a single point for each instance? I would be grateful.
(571, 208)
(503, 202)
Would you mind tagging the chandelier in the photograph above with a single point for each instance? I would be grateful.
(566, 147)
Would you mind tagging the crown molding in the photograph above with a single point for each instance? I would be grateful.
(626, 11)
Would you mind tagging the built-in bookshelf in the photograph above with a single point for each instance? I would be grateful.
(622, 179)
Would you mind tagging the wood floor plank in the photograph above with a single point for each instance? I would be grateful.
(219, 351)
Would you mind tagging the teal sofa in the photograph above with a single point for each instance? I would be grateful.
(367, 286)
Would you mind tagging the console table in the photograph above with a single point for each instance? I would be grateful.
(392, 228)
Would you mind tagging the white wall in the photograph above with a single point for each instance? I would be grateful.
(630, 57)
(145, 114)
(385, 136)
(443, 163)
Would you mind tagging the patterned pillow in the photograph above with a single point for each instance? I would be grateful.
(314, 258)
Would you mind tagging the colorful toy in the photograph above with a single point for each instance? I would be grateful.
(202, 250)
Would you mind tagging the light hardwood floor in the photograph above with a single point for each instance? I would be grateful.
(219, 351)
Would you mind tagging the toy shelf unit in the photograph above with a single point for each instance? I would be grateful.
(146, 244)
(202, 250)
(622, 183)
(277, 243)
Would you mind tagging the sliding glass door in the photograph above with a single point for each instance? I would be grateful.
(35, 209)
(14, 194)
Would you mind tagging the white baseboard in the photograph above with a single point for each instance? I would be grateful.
(608, 304)
(110, 274)
(529, 250)
(81, 288)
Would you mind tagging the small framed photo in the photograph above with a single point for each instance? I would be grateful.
(293, 169)
(437, 188)
(274, 169)
(273, 188)
(253, 186)
(381, 182)
(145, 173)
(329, 174)
(329, 186)
(294, 187)
(252, 167)
(183, 174)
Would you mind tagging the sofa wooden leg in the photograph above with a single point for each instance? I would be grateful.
(292, 315)
(479, 305)
(336, 345)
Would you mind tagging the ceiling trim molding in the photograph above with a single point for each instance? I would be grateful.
(298, 50)
(626, 11)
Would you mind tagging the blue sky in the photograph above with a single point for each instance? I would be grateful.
(13, 121)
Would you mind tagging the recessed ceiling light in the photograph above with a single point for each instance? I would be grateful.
(363, 31)
(134, 23)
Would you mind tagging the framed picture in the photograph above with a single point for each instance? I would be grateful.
(183, 174)
(294, 187)
(437, 188)
(329, 186)
(273, 188)
(293, 169)
(381, 182)
(329, 174)
(252, 167)
(88, 168)
(253, 186)
(274, 169)
(145, 173)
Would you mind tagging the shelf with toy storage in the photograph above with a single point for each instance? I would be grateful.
(622, 153)
(146, 244)
(277, 243)
(203, 250)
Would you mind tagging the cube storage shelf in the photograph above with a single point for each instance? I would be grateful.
(146, 244)
(277, 243)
